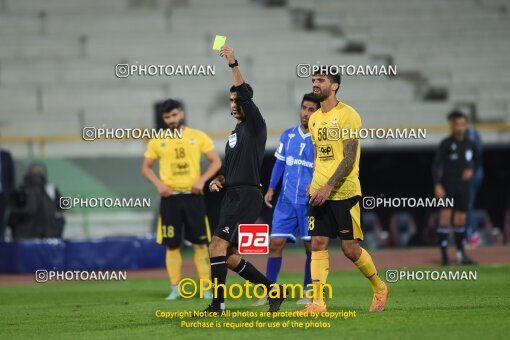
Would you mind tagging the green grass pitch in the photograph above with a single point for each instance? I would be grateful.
(108, 310)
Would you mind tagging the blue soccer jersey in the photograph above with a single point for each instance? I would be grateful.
(295, 155)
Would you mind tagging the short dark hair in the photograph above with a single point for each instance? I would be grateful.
(309, 97)
(456, 114)
(248, 86)
(169, 105)
(329, 71)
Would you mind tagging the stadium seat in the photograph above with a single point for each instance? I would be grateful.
(56, 62)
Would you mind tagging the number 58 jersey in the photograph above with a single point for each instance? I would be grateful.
(329, 130)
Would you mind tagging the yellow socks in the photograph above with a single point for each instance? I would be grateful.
(173, 265)
(202, 264)
(319, 268)
(367, 267)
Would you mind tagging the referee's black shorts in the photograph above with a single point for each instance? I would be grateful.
(239, 205)
(182, 215)
(458, 190)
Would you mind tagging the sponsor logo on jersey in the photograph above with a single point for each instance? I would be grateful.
(290, 161)
(179, 169)
(325, 152)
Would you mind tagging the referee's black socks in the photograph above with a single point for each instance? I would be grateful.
(442, 235)
(248, 272)
(219, 273)
(460, 235)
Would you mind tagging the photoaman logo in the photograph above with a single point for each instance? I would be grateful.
(253, 239)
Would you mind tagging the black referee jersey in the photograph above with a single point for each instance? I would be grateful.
(244, 151)
(453, 157)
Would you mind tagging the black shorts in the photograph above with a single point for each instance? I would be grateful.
(340, 218)
(239, 205)
(458, 190)
(182, 214)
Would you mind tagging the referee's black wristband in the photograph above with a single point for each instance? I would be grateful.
(234, 64)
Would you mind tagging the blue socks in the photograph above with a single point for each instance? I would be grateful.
(308, 275)
(274, 265)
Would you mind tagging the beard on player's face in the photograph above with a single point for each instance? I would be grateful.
(307, 109)
(176, 124)
(304, 121)
(321, 94)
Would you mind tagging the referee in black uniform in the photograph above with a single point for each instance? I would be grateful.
(456, 158)
(240, 175)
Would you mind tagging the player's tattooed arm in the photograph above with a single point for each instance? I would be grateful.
(346, 165)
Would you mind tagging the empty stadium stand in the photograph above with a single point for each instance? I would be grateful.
(58, 58)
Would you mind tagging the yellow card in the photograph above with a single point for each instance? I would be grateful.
(219, 41)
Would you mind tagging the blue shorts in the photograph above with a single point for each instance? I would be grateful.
(288, 219)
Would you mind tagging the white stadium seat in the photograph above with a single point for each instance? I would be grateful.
(61, 67)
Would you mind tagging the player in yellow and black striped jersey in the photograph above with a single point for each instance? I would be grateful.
(180, 184)
(335, 190)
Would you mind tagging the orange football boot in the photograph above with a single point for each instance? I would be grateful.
(379, 299)
(312, 308)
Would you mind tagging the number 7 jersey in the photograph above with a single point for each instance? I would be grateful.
(329, 130)
(296, 150)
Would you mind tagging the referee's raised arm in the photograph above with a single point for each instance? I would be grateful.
(228, 53)
(253, 117)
